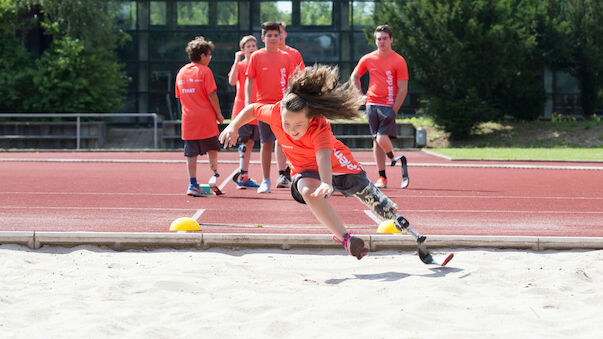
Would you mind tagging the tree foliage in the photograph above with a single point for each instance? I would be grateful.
(78, 72)
(477, 60)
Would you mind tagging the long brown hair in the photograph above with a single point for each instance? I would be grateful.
(318, 89)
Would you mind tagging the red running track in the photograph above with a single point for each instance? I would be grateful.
(144, 192)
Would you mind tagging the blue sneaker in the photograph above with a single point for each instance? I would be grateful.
(247, 183)
(195, 191)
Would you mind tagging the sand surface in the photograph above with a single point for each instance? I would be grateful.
(91, 292)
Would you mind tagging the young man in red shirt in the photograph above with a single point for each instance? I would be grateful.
(268, 71)
(196, 88)
(388, 86)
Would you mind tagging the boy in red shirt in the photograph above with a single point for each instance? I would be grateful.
(196, 88)
(268, 72)
(320, 163)
(248, 134)
(388, 85)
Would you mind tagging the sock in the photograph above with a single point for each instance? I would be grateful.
(382, 174)
(193, 181)
(243, 176)
(281, 172)
(390, 155)
(216, 174)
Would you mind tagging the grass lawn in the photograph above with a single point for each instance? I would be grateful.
(523, 153)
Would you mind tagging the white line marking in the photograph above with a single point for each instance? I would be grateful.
(96, 208)
(228, 179)
(372, 216)
(198, 214)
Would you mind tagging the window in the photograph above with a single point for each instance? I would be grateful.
(158, 13)
(193, 13)
(228, 13)
(316, 13)
(316, 47)
(126, 15)
(276, 11)
(362, 13)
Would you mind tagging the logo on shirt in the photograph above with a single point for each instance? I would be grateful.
(343, 161)
(286, 146)
(284, 80)
(187, 90)
(390, 87)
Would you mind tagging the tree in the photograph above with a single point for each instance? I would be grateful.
(583, 38)
(477, 60)
(77, 72)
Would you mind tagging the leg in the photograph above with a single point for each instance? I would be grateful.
(213, 160)
(191, 166)
(322, 210)
(281, 161)
(266, 158)
(379, 154)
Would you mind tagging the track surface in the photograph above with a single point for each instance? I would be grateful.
(144, 192)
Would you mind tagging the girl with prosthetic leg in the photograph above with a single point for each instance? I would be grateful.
(320, 164)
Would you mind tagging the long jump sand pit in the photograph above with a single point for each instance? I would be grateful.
(87, 291)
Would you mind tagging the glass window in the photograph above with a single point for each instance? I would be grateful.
(193, 13)
(166, 46)
(565, 83)
(361, 45)
(158, 13)
(316, 13)
(228, 13)
(276, 11)
(315, 47)
(362, 13)
(126, 15)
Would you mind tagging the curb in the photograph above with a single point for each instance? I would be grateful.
(197, 240)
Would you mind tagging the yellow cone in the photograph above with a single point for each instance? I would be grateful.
(185, 224)
(387, 226)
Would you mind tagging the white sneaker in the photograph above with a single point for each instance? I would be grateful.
(264, 186)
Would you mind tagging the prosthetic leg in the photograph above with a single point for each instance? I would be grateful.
(385, 208)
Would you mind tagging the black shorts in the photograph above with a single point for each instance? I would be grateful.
(382, 120)
(248, 132)
(347, 184)
(193, 148)
(266, 134)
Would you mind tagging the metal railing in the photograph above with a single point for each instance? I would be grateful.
(78, 117)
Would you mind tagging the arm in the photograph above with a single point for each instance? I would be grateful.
(355, 78)
(401, 95)
(323, 159)
(213, 99)
(234, 70)
(229, 135)
(248, 90)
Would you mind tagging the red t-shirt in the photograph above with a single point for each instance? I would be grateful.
(302, 153)
(270, 73)
(194, 83)
(384, 73)
(239, 102)
(298, 61)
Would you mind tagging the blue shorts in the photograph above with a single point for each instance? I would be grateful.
(382, 120)
(347, 184)
(192, 148)
(266, 134)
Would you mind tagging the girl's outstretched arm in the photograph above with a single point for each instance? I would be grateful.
(323, 159)
(229, 135)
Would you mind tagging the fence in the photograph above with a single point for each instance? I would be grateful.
(78, 117)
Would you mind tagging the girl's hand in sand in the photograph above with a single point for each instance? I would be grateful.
(324, 189)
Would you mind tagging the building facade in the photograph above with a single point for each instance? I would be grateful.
(324, 31)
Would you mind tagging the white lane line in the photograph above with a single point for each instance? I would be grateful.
(372, 216)
(430, 196)
(228, 179)
(96, 208)
(198, 214)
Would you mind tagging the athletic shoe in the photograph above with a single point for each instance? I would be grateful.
(381, 182)
(265, 186)
(283, 182)
(353, 245)
(195, 191)
(247, 183)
